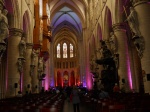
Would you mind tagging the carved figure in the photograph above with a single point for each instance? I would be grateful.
(22, 47)
(4, 25)
(113, 42)
(40, 68)
(140, 45)
(20, 64)
(33, 55)
(133, 22)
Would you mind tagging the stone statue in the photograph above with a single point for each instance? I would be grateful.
(133, 22)
(20, 64)
(113, 42)
(40, 67)
(140, 45)
(33, 55)
(4, 32)
(22, 47)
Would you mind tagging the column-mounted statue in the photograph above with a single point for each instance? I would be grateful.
(4, 32)
(133, 22)
(33, 59)
(33, 56)
(3, 28)
(22, 47)
(137, 38)
(40, 66)
(113, 42)
(20, 63)
(140, 45)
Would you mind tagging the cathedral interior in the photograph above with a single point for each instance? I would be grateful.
(60, 43)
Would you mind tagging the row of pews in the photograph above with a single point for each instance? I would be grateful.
(44, 102)
(119, 102)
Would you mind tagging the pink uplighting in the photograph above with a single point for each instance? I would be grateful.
(128, 68)
(129, 73)
(88, 80)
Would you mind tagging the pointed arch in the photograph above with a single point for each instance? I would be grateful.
(14, 20)
(107, 23)
(99, 32)
(26, 26)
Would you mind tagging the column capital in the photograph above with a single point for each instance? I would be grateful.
(29, 45)
(119, 26)
(16, 32)
(138, 2)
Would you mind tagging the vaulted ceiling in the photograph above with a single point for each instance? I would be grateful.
(67, 18)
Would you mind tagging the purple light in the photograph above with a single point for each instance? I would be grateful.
(128, 68)
(89, 80)
(129, 73)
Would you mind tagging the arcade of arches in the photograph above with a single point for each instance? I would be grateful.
(91, 43)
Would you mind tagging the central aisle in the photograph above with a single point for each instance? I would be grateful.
(68, 107)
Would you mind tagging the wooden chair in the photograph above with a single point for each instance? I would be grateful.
(105, 106)
(116, 108)
(31, 110)
(52, 109)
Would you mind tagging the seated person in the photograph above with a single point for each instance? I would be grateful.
(116, 88)
(103, 94)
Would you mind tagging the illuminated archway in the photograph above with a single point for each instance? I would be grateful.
(65, 79)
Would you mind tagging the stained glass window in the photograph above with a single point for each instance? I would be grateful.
(58, 51)
(65, 50)
(71, 50)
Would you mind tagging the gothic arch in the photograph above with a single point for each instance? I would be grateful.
(107, 23)
(26, 26)
(99, 32)
(59, 79)
(13, 13)
(65, 78)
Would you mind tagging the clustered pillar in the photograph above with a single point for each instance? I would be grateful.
(13, 75)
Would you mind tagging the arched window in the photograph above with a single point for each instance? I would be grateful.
(65, 50)
(58, 51)
(71, 50)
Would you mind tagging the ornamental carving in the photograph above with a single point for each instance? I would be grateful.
(119, 26)
(139, 44)
(29, 45)
(15, 32)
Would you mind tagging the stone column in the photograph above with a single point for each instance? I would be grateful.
(35, 80)
(13, 75)
(124, 62)
(82, 61)
(27, 75)
(142, 7)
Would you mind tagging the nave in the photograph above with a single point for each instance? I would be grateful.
(52, 102)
